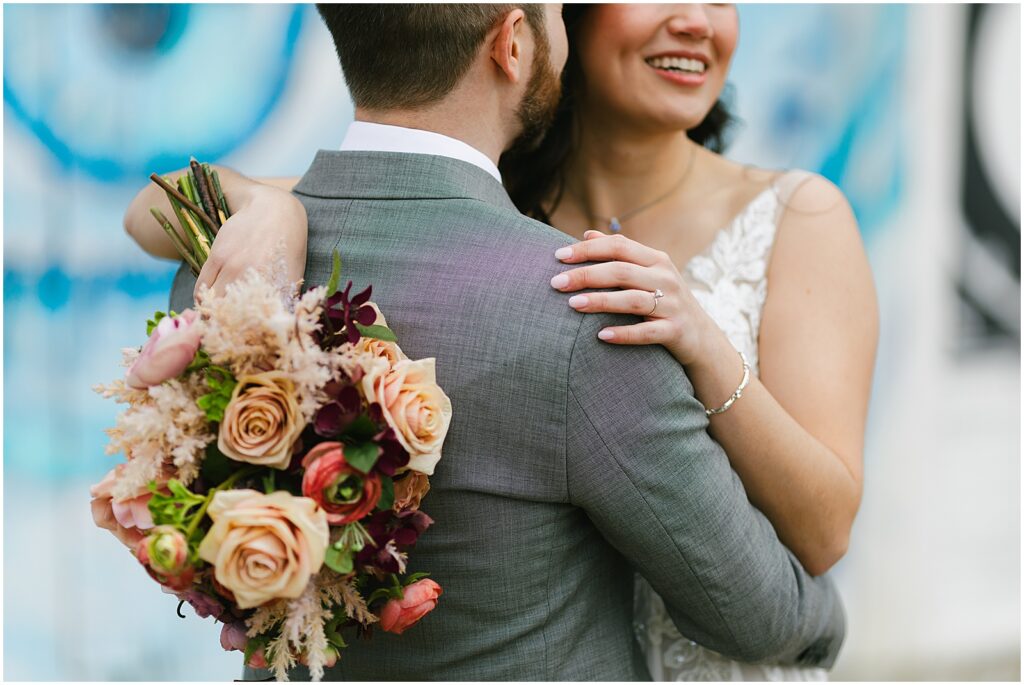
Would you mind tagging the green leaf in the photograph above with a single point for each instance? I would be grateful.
(253, 644)
(151, 324)
(174, 509)
(339, 560)
(380, 593)
(199, 362)
(332, 282)
(269, 481)
(361, 429)
(216, 466)
(414, 577)
(362, 457)
(222, 386)
(387, 494)
(377, 332)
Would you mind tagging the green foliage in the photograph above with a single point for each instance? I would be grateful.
(332, 282)
(222, 385)
(216, 466)
(339, 560)
(151, 324)
(380, 593)
(177, 509)
(387, 494)
(361, 429)
(363, 456)
(199, 362)
(377, 332)
(254, 644)
(270, 481)
(331, 631)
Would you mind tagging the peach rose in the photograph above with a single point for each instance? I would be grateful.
(170, 349)
(414, 406)
(410, 490)
(264, 547)
(419, 599)
(262, 421)
(388, 351)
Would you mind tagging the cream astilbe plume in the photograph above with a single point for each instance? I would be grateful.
(308, 366)
(303, 620)
(247, 326)
(161, 424)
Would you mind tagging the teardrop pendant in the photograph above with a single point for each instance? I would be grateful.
(614, 226)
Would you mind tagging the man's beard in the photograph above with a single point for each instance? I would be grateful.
(537, 110)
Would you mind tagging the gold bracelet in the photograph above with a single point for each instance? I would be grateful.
(736, 395)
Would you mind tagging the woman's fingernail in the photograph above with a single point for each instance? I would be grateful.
(560, 281)
(606, 334)
(563, 253)
(578, 301)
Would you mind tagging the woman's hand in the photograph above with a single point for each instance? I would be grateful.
(268, 225)
(677, 321)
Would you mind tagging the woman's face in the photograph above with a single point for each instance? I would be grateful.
(658, 66)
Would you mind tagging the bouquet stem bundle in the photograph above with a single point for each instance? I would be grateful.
(200, 208)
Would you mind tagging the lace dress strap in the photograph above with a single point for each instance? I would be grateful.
(785, 185)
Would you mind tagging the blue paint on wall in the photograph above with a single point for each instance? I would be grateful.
(181, 97)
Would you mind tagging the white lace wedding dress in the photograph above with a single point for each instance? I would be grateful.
(730, 281)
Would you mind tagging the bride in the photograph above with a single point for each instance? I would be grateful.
(767, 264)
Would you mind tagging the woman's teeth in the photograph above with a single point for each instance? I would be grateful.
(690, 66)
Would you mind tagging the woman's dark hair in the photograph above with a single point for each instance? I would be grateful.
(535, 178)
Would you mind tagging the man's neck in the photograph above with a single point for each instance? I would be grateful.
(445, 121)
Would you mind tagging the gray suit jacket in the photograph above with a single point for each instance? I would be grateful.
(570, 463)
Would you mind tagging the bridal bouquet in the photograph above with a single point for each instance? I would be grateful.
(278, 447)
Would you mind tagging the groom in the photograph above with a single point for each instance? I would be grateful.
(570, 463)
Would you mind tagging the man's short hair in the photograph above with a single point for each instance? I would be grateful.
(406, 56)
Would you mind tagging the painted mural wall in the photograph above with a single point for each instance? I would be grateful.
(921, 133)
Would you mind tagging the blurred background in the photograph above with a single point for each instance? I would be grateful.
(914, 111)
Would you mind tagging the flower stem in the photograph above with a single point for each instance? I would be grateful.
(176, 194)
(226, 485)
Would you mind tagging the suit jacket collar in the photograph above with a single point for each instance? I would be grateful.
(351, 175)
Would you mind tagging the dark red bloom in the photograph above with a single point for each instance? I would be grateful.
(344, 312)
(344, 406)
(392, 455)
(403, 530)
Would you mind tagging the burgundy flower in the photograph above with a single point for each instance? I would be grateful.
(345, 313)
(391, 533)
(344, 406)
(204, 605)
(392, 455)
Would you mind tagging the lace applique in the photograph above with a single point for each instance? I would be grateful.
(730, 281)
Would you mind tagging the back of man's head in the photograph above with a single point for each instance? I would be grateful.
(406, 56)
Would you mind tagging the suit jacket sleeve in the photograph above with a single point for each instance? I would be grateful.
(640, 462)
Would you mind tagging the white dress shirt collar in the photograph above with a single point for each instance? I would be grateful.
(363, 136)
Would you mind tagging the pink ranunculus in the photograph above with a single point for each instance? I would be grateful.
(164, 554)
(169, 350)
(419, 600)
(345, 494)
(233, 638)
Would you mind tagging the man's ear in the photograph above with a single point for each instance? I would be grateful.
(507, 48)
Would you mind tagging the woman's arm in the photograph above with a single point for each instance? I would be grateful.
(265, 216)
(796, 436)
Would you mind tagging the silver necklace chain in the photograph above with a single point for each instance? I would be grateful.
(615, 222)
